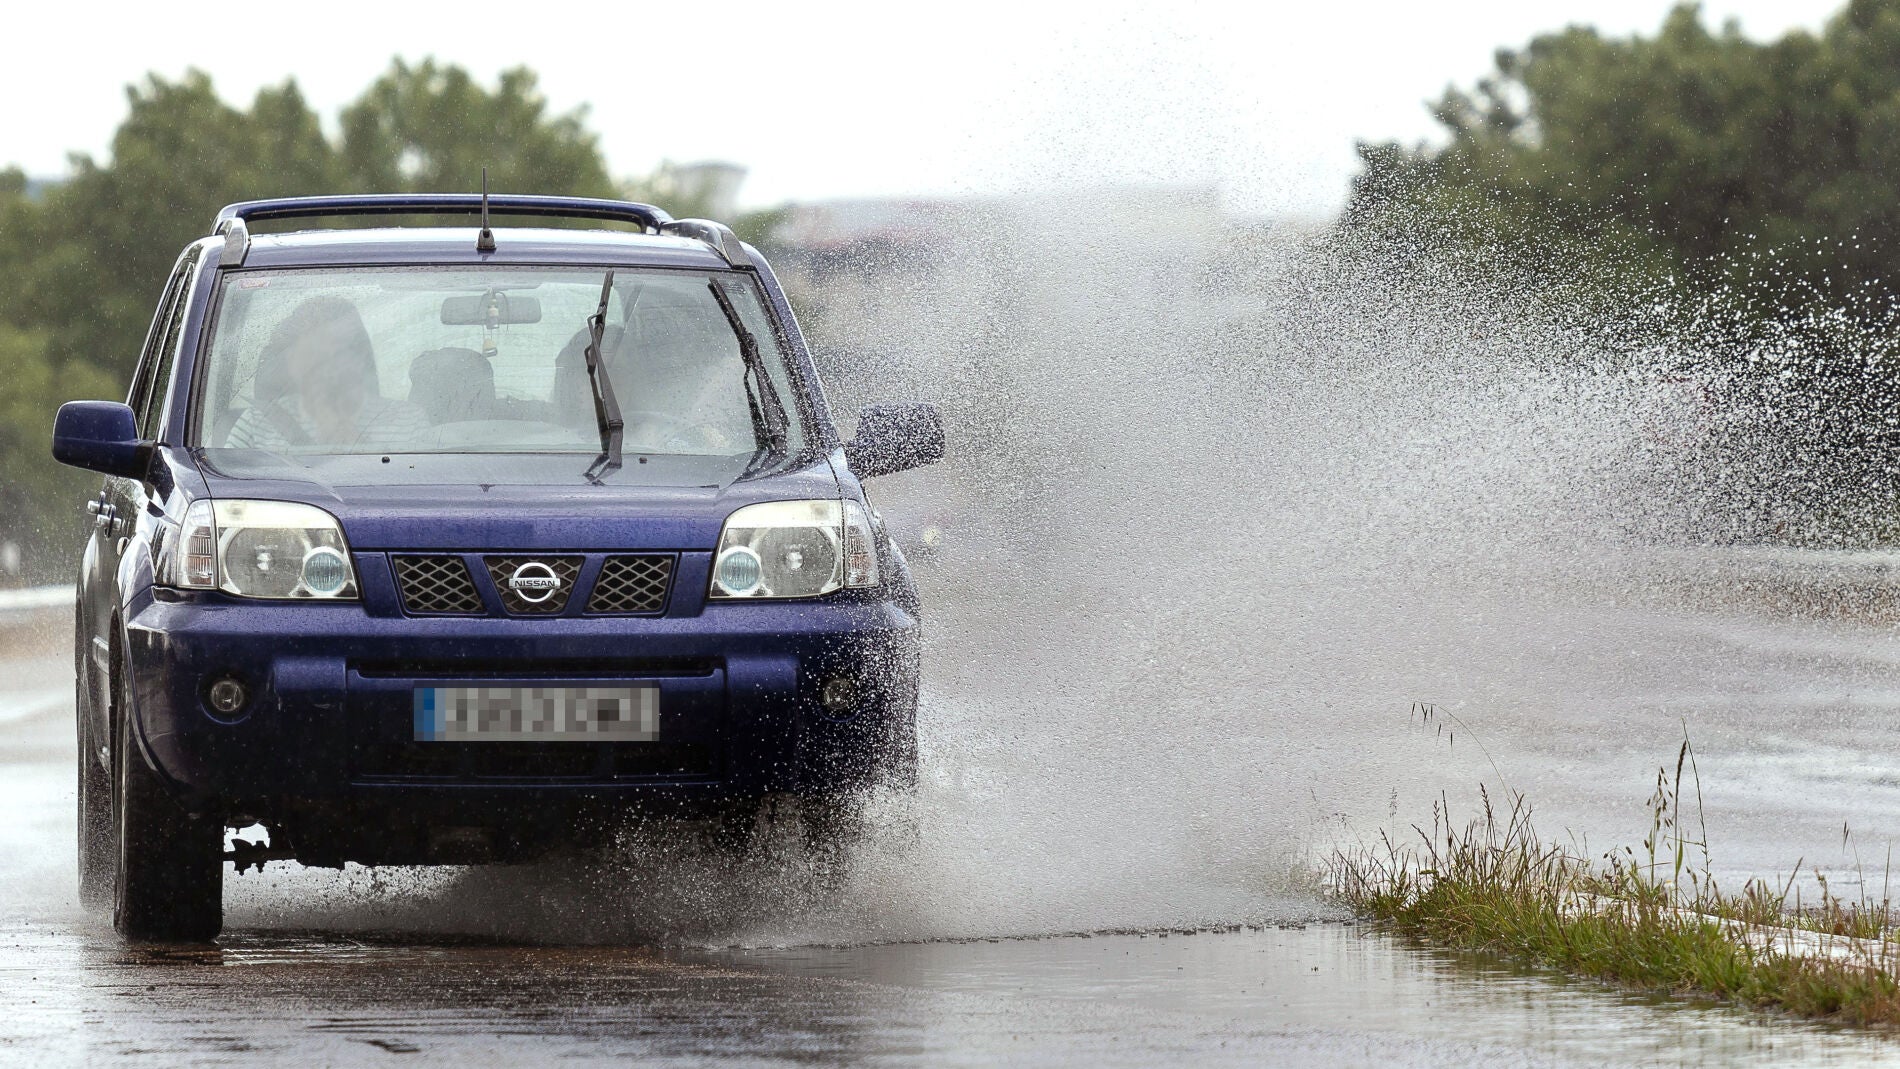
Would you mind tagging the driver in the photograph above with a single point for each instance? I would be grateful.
(316, 388)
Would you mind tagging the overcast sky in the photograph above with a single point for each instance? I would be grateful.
(825, 100)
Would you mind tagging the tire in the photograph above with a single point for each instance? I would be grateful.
(901, 762)
(95, 799)
(169, 864)
(734, 830)
(833, 828)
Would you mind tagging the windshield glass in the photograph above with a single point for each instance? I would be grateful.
(488, 360)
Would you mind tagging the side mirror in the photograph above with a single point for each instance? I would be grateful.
(101, 436)
(894, 438)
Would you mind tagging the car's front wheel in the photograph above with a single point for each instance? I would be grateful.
(95, 799)
(169, 863)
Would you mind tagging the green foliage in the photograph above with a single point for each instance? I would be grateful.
(1717, 208)
(1497, 887)
(104, 240)
(1646, 921)
(31, 485)
(88, 258)
(1694, 155)
(101, 244)
(429, 127)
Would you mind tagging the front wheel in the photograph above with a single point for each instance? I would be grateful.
(169, 864)
(95, 800)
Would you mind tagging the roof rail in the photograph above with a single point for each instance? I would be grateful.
(234, 219)
(718, 235)
(237, 241)
(644, 215)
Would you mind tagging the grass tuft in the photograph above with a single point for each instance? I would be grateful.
(1648, 920)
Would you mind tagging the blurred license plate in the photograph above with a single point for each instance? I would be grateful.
(537, 714)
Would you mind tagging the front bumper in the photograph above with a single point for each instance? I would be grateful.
(329, 728)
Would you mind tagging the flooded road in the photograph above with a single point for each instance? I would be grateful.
(1319, 995)
(955, 953)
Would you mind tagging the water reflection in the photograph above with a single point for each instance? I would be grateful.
(1345, 988)
(1319, 994)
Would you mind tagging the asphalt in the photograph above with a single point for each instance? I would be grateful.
(1011, 931)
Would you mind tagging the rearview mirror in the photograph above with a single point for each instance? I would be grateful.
(894, 438)
(492, 308)
(100, 436)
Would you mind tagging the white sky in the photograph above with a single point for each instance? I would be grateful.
(827, 100)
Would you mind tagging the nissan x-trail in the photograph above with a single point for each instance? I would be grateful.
(426, 545)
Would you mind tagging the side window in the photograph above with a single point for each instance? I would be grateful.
(152, 412)
(141, 396)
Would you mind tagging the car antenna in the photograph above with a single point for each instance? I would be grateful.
(485, 241)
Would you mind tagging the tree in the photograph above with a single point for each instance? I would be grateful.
(1714, 207)
(89, 257)
(39, 499)
(106, 238)
(1769, 168)
(431, 127)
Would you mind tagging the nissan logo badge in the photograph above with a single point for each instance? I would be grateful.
(534, 582)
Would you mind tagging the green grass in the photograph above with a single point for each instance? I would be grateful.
(1647, 920)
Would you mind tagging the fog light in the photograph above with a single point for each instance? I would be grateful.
(739, 571)
(840, 695)
(227, 695)
(325, 571)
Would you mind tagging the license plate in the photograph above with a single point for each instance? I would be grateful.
(537, 714)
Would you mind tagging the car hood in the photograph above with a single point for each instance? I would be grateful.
(539, 502)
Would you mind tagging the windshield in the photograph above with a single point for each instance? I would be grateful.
(490, 360)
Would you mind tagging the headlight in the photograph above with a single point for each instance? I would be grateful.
(794, 549)
(257, 549)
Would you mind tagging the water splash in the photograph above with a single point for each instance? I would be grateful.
(1220, 504)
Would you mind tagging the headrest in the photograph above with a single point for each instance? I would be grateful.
(437, 364)
(452, 385)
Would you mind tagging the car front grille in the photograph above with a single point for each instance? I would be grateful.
(632, 584)
(435, 585)
(446, 584)
(521, 602)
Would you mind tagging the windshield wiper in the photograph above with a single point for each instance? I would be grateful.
(768, 413)
(606, 407)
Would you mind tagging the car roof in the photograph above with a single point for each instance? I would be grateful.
(456, 245)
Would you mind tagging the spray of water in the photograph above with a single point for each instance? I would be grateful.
(1220, 504)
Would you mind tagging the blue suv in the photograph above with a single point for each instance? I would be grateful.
(454, 545)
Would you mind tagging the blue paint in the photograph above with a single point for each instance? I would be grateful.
(346, 688)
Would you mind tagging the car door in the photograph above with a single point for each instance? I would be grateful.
(115, 508)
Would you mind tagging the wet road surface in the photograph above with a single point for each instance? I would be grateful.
(287, 987)
(1319, 995)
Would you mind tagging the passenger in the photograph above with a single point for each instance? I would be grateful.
(316, 387)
